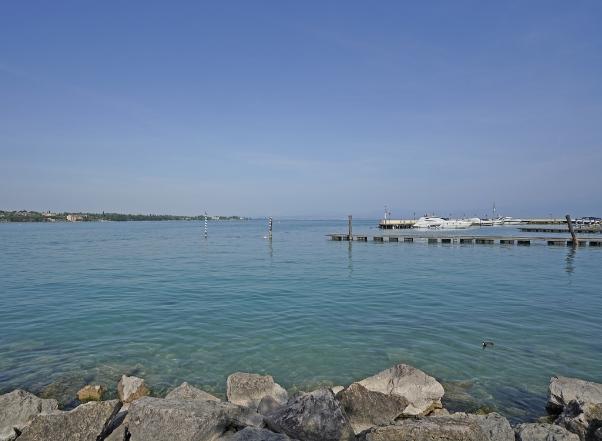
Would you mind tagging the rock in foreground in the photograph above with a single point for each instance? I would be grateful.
(583, 419)
(366, 408)
(90, 393)
(18, 408)
(248, 389)
(187, 392)
(456, 427)
(160, 419)
(130, 389)
(562, 390)
(86, 422)
(315, 416)
(543, 432)
(422, 391)
(255, 434)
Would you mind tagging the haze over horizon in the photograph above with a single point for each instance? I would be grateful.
(306, 110)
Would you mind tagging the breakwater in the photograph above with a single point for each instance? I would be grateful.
(399, 403)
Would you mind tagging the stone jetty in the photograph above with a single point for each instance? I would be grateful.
(398, 404)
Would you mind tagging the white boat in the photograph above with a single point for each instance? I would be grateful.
(428, 222)
(511, 221)
(431, 222)
(455, 224)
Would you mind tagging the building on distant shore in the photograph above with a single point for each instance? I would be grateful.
(74, 217)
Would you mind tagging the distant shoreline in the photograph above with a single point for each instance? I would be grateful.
(50, 217)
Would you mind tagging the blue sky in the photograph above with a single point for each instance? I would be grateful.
(310, 109)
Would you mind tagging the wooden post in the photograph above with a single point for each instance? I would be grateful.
(570, 224)
(350, 228)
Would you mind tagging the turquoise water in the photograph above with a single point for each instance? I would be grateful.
(86, 302)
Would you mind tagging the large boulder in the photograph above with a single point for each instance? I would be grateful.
(583, 419)
(366, 408)
(315, 416)
(422, 391)
(87, 422)
(130, 389)
(455, 427)
(160, 419)
(254, 434)
(562, 390)
(17, 409)
(187, 392)
(543, 432)
(248, 389)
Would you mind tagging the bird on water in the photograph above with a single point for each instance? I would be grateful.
(487, 343)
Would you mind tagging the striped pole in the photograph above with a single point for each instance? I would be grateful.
(205, 225)
(270, 228)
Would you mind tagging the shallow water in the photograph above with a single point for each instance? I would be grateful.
(86, 302)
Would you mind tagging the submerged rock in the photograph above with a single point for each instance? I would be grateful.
(248, 389)
(315, 416)
(562, 390)
(543, 432)
(422, 391)
(130, 389)
(455, 427)
(186, 420)
(187, 392)
(87, 422)
(18, 408)
(90, 393)
(366, 408)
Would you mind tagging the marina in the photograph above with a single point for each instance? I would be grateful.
(401, 224)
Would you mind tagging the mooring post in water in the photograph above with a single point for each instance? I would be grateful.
(270, 228)
(570, 224)
(350, 235)
(205, 225)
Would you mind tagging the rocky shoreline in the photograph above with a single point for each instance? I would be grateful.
(398, 404)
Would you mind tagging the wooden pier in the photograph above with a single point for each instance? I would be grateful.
(468, 240)
(543, 229)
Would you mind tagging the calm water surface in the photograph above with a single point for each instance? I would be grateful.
(86, 302)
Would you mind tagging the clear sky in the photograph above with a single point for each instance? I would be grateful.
(300, 108)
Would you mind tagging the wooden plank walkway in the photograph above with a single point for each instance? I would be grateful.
(578, 230)
(466, 240)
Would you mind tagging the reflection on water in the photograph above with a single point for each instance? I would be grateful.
(570, 260)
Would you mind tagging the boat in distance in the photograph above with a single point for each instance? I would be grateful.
(431, 222)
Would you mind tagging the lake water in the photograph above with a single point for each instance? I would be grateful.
(86, 302)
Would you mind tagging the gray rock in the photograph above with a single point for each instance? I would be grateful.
(159, 419)
(315, 416)
(117, 429)
(248, 389)
(17, 409)
(87, 422)
(268, 404)
(543, 432)
(187, 392)
(422, 391)
(455, 427)
(130, 389)
(366, 408)
(563, 390)
(336, 389)
(583, 419)
(255, 434)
